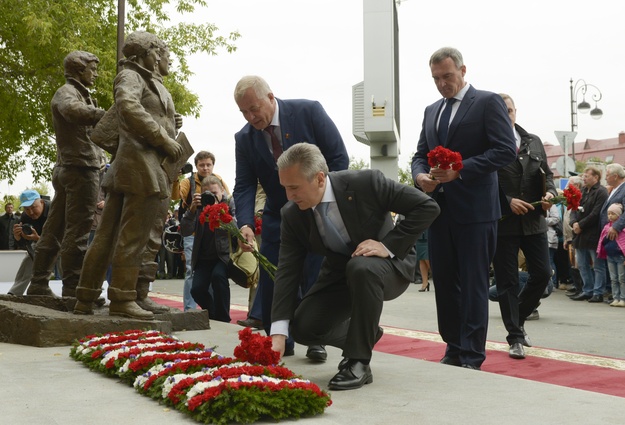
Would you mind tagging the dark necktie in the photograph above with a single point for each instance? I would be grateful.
(333, 239)
(443, 124)
(276, 146)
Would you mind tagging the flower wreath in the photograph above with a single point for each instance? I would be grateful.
(200, 382)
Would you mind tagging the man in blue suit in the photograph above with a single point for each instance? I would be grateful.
(274, 125)
(463, 238)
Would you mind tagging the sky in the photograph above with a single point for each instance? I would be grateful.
(313, 49)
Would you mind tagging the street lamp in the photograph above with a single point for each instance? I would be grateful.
(583, 106)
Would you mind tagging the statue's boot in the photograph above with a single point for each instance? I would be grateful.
(122, 293)
(69, 289)
(40, 289)
(145, 302)
(86, 297)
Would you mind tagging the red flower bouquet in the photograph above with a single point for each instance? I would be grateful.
(445, 159)
(218, 216)
(571, 196)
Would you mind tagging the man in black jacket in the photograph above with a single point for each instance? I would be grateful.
(586, 228)
(523, 182)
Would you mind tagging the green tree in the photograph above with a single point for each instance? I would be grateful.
(357, 163)
(405, 174)
(36, 35)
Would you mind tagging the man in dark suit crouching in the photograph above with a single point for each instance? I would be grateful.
(367, 260)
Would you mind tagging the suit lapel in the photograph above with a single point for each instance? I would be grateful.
(463, 108)
(262, 148)
(287, 125)
(346, 202)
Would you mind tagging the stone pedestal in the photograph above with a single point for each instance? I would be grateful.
(49, 322)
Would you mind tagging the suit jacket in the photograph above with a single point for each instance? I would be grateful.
(364, 199)
(618, 197)
(481, 132)
(300, 121)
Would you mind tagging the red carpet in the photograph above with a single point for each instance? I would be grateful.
(557, 372)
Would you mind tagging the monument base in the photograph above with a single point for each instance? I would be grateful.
(40, 321)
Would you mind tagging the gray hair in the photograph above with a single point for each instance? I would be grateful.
(576, 181)
(447, 52)
(212, 179)
(76, 62)
(615, 168)
(507, 96)
(261, 88)
(307, 156)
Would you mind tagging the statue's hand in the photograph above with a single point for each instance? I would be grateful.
(173, 149)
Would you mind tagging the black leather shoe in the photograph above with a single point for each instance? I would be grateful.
(452, 361)
(470, 366)
(353, 376)
(526, 339)
(581, 297)
(517, 351)
(250, 323)
(317, 353)
(378, 337)
(596, 299)
(289, 352)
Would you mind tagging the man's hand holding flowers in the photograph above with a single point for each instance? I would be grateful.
(445, 167)
(521, 207)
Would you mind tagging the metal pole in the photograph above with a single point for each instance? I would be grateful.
(573, 116)
(121, 23)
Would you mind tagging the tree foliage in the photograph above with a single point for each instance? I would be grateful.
(35, 36)
(357, 163)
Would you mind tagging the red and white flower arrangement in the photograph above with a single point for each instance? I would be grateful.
(193, 379)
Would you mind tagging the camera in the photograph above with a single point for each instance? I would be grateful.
(186, 168)
(208, 198)
(27, 229)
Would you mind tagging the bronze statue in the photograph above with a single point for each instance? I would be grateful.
(136, 183)
(74, 177)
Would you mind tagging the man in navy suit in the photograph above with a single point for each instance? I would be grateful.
(368, 261)
(274, 125)
(463, 238)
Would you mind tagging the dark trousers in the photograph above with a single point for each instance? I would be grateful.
(460, 257)
(213, 275)
(515, 308)
(343, 309)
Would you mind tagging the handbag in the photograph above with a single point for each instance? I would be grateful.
(243, 267)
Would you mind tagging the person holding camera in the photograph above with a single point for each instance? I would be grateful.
(211, 252)
(26, 233)
(184, 190)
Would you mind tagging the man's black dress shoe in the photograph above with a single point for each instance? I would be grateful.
(378, 337)
(250, 323)
(353, 376)
(581, 297)
(452, 361)
(596, 299)
(517, 351)
(470, 366)
(317, 353)
(526, 339)
(289, 352)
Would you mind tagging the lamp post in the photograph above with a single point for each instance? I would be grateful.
(583, 107)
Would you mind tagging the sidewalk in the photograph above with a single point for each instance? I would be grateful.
(44, 386)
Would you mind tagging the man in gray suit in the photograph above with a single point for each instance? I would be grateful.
(367, 260)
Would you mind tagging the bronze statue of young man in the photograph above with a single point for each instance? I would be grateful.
(74, 178)
(136, 184)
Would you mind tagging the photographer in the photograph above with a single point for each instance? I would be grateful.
(27, 232)
(184, 190)
(210, 255)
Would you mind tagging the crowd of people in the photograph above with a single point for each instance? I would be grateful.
(340, 254)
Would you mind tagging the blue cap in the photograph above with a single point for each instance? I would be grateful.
(28, 197)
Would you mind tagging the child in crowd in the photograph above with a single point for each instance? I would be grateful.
(613, 250)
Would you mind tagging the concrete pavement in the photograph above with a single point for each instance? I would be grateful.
(44, 386)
